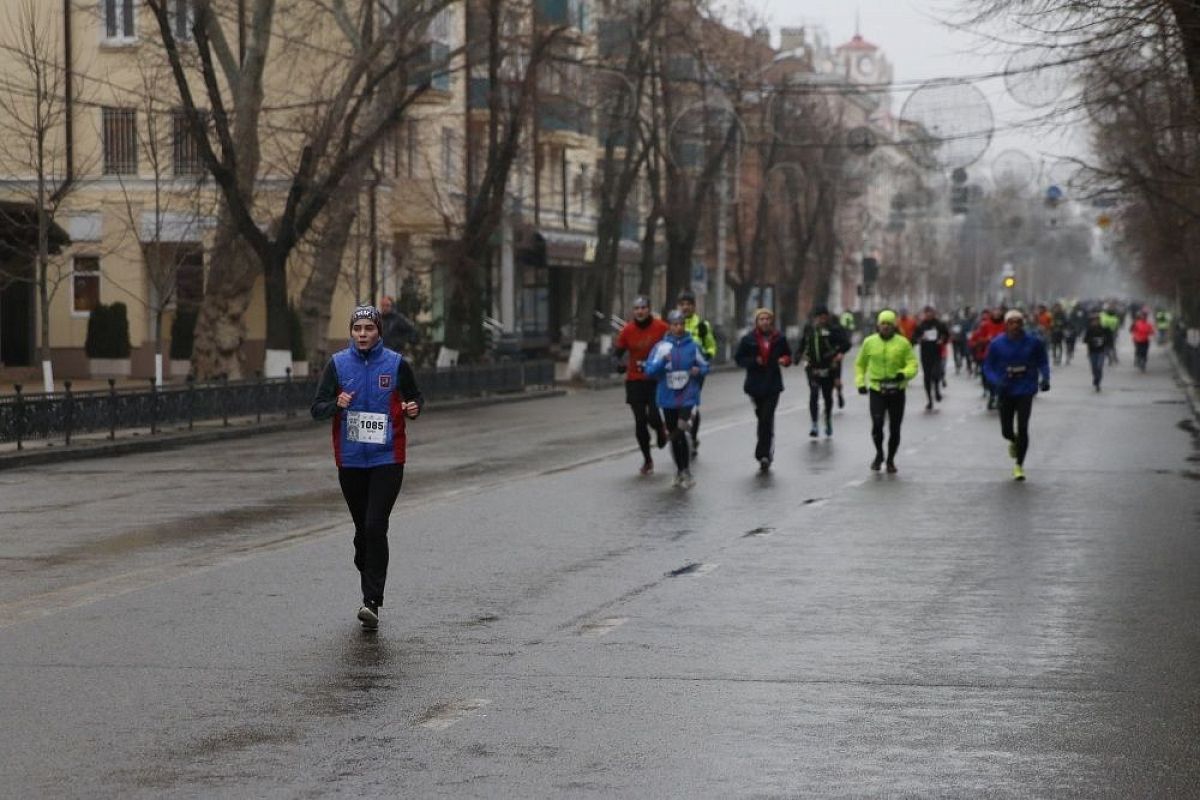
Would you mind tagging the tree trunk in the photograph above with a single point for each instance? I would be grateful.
(322, 281)
(221, 322)
(680, 247)
(649, 246)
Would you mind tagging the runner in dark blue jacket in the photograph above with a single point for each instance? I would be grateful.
(1014, 363)
(369, 392)
(762, 352)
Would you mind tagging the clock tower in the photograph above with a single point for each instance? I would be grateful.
(861, 62)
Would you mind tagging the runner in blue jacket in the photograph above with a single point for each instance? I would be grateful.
(1014, 363)
(678, 364)
(369, 392)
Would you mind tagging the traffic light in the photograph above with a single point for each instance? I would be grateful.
(870, 268)
(1010, 281)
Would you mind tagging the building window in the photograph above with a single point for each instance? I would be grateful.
(85, 284)
(185, 153)
(189, 277)
(119, 17)
(183, 14)
(411, 143)
(120, 141)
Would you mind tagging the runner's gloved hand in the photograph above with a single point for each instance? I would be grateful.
(618, 366)
(862, 390)
(901, 377)
(1045, 387)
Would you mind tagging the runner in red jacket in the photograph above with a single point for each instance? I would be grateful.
(1142, 331)
(991, 325)
(637, 338)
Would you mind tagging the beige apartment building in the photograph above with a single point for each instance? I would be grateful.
(137, 222)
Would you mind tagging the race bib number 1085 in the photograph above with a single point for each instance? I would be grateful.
(364, 426)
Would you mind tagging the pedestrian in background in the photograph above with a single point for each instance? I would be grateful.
(1099, 342)
(397, 330)
(762, 352)
(369, 391)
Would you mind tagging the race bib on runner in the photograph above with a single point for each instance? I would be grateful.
(889, 386)
(956, 329)
(1016, 371)
(931, 335)
(820, 373)
(366, 427)
(677, 379)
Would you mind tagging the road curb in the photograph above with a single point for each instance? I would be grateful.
(614, 381)
(1190, 389)
(146, 443)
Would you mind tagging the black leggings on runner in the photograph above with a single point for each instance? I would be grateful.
(891, 407)
(818, 388)
(764, 409)
(370, 494)
(645, 419)
(1020, 408)
(931, 371)
(677, 421)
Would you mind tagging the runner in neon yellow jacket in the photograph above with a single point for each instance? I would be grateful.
(886, 363)
(702, 331)
(881, 359)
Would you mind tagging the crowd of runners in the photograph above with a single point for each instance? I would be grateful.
(369, 391)
(1010, 350)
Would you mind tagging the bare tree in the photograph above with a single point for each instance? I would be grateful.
(222, 90)
(507, 45)
(622, 84)
(703, 71)
(35, 105)
(169, 220)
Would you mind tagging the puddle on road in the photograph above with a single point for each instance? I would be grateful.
(219, 526)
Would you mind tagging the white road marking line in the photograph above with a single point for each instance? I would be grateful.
(444, 715)
(603, 627)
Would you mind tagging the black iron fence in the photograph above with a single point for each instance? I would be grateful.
(25, 417)
(1187, 350)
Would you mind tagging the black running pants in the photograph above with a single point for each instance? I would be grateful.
(678, 421)
(889, 406)
(1016, 409)
(764, 410)
(370, 494)
(817, 388)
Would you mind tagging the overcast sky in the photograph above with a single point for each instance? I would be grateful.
(921, 48)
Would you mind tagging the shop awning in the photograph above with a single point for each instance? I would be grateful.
(578, 250)
(19, 231)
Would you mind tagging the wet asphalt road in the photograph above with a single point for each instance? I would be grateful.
(180, 624)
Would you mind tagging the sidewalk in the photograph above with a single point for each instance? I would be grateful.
(140, 440)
